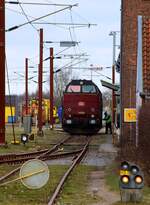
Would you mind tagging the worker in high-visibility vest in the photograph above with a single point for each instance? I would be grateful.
(107, 118)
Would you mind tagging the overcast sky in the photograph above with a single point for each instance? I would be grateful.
(94, 40)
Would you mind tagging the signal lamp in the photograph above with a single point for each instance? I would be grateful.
(24, 138)
(134, 169)
(125, 165)
(125, 179)
(138, 179)
(68, 122)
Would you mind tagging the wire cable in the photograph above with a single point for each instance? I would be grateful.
(41, 17)
(35, 3)
(26, 16)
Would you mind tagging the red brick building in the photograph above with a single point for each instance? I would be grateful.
(129, 39)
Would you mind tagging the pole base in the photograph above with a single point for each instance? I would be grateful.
(131, 195)
(17, 142)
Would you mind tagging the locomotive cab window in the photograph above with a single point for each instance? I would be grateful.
(88, 89)
(74, 89)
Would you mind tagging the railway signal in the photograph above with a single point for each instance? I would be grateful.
(24, 138)
(131, 182)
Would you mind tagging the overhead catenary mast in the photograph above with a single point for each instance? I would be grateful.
(40, 78)
(26, 86)
(2, 75)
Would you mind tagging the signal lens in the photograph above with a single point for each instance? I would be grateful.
(138, 179)
(125, 165)
(125, 179)
(134, 169)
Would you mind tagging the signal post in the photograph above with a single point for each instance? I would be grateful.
(2, 75)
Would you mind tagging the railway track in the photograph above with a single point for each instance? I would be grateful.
(40, 156)
(77, 160)
(44, 157)
(46, 154)
(20, 158)
(23, 156)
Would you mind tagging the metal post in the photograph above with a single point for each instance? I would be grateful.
(26, 86)
(2, 75)
(51, 88)
(40, 79)
(114, 47)
(113, 104)
(113, 33)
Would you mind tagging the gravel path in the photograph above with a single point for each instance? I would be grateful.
(97, 186)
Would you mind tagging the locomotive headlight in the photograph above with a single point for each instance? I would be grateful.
(125, 179)
(69, 116)
(68, 122)
(138, 179)
(92, 122)
(92, 116)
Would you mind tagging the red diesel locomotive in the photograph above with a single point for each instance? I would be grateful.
(82, 107)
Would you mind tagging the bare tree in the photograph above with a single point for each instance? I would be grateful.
(61, 79)
(107, 98)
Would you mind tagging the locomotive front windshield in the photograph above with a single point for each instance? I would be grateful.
(74, 89)
(88, 89)
(81, 89)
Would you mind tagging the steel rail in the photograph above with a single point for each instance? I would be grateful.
(66, 175)
(19, 155)
(44, 158)
(29, 155)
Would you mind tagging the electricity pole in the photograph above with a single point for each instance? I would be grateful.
(2, 75)
(51, 87)
(40, 79)
(26, 86)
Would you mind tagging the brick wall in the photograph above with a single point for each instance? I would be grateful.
(130, 10)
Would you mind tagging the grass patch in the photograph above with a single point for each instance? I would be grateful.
(112, 181)
(75, 191)
(112, 178)
(50, 137)
(16, 194)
